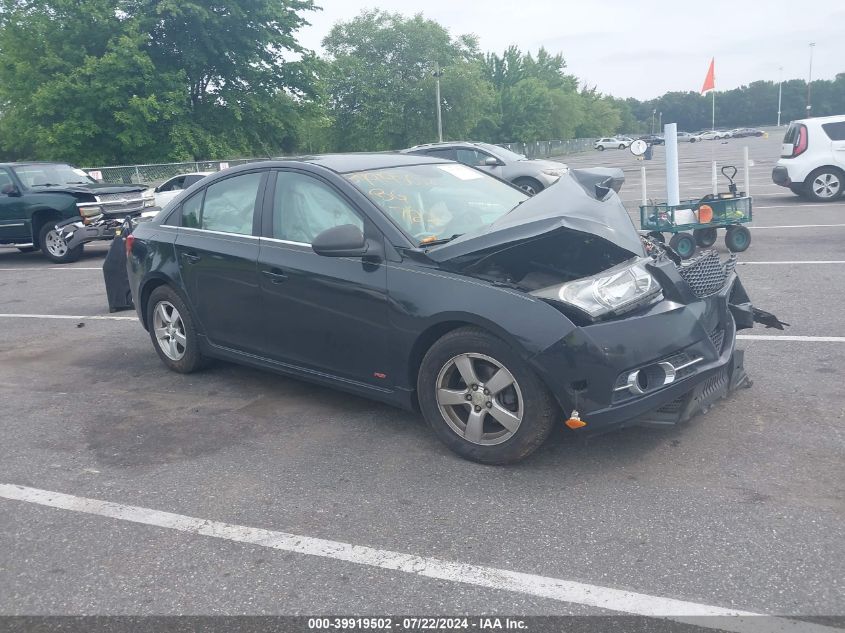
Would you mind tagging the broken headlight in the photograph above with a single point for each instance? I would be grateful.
(611, 291)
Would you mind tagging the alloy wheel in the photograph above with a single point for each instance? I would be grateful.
(479, 399)
(55, 244)
(169, 330)
(826, 185)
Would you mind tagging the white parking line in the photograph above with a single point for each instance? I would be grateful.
(29, 268)
(833, 261)
(799, 205)
(95, 317)
(796, 226)
(786, 337)
(488, 577)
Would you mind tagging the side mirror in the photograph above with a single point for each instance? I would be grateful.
(346, 240)
(10, 190)
(491, 161)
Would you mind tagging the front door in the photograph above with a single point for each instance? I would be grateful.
(324, 314)
(13, 224)
(217, 248)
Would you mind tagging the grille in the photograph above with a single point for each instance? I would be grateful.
(134, 196)
(673, 407)
(717, 336)
(706, 274)
(713, 384)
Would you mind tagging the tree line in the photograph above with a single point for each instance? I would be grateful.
(97, 82)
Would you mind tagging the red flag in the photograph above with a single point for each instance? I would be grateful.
(710, 79)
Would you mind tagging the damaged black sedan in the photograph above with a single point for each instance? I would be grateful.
(433, 286)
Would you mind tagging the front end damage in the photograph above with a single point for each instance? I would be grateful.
(656, 358)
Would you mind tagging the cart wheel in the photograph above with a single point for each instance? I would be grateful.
(705, 237)
(657, 235)
(737, 239)
(683, 244)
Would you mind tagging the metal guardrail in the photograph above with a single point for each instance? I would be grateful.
(155, 174)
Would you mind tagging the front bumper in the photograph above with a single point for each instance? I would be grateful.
(75, 232)
(780, 176)
(585, 369)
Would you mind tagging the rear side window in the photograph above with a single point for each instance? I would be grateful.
(227, 206)
(835, 131)
(791, 133)
(448, 154)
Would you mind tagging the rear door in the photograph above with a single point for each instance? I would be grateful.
(324, 314)
(217, 249)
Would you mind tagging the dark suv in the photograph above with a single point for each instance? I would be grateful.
(35, 197)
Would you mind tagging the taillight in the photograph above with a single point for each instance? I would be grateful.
(800, 146)
(130, 241)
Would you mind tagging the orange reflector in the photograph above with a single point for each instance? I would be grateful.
(575, 423)
(705, 213)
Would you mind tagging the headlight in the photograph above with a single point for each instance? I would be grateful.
(149, 199)
(89, 210)
(610, 291)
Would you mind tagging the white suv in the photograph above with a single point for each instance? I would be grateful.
(812, 160)
(619, 142)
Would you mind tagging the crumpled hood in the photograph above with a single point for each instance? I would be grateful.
(584, 200)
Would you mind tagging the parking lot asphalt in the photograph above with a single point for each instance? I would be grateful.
(741, 508)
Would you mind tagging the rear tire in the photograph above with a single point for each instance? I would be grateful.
(467, 420)
(622, 146)
(54, 247)
(173, 331)
(705, 238)
(683, 244)
(600, 148)
(825, 184)
(737, 239)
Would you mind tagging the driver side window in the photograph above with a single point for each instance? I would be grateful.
(228, 205)
(472, 157)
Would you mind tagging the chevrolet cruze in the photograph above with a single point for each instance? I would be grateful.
(434, 286)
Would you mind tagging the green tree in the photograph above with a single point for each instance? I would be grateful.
(380, 89)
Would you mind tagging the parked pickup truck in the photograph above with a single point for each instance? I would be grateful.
(58, 208)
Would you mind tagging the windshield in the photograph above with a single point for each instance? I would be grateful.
(500, 152)
(51, 175)
(437, 202)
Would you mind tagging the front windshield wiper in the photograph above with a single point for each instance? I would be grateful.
(442, 240)
(78, 182)
(47, 184)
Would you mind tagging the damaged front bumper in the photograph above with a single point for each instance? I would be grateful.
(78, 231)
(660, 366)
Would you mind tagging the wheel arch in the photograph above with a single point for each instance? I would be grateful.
(40, 217)
(146, 289)
(435, 331)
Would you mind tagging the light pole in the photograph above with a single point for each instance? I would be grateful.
(437, 75)
(780, 90)
(810, 78)
(653, 112)
(659, 121)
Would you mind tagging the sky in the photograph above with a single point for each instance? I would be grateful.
(638, 48)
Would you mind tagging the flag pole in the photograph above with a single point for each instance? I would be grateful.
(713, 94)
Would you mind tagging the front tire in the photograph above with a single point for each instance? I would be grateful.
(173, 331)
(54, 247)
(528, 185)
(600, 148)
(482, 400)
(824, 184)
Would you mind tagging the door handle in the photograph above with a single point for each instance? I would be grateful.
(275, 275)
(191, 258)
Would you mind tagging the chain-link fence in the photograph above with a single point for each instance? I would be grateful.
(545, 149)
(156, 174)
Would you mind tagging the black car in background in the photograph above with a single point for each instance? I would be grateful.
(744, 132)
(653, 139)
(430, 285)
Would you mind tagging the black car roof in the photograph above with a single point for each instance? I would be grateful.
(346, 163)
